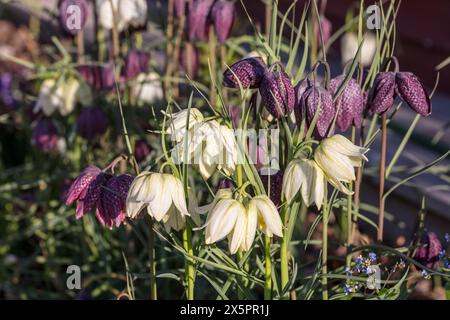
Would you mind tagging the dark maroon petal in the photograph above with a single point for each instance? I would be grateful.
(299, 90)
(136, 62)
(383, 92)
(277, 93)
(428, 251)
(81, 183)
(93, 192)
(198, 19)
(73, 15)
(276, 181)
(248, 72)
(45, 135)
(350, 103)
(141, 150)
(189, 60)
(222, 14)
(92, 122)
(411, 89)
(99, 77)
(312, 98)
(113, 196)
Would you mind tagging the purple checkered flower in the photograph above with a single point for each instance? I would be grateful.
(92, 122)
(313, 97)
(222, 14)
(86, 189)
(190, 60)
(248, 72)
(277, 93)
(199, 12)
(428, 251)
(111, 202)
(136, 62)
(350, 104)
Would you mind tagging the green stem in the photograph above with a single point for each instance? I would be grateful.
(324, 251)
(284, 253)
(189, 266)
(151, 253)
(268, 279)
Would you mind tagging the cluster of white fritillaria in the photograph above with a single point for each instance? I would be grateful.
(233, 213)
(334, 161)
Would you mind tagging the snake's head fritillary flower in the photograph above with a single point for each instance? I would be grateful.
(199, 12)
(299, 110)
(136, 62)
(277, 93)
(337, 157)
(222, 14)
(275, 186)
(247, 72)
(176, 126)
(92, 122)
(429, 250)
(211, 146)
(141, 150)
(383, 92)
(269, 220)
(307, 177)
(111, 203)
(350, 104)
(412, 91)
(58, 95)
(128, 13)
(350, 45)
(222, 220)
(66, 12)
(45, 135)
(316, 97)
(99, 77)
(86, 189)
(190, 60)
(161, 194)
(148, 88)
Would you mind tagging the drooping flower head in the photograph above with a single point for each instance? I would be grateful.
(141, 150)
(275, 186)
(305, 176)
(92, 122)
(99, 77)
(406, 85)
(247, 72)
(162, 195)
(222, 14)
(277, 93)
(315, 98)
(350, 104)
(228, 217)
(111, 203)
(136, 62)
(337, 157)
(147, 88)
(429, 250)
(86, 189)
(45, 135)
(199, 12)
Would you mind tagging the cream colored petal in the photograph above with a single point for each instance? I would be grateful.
(292, 180)
(270, 215)
(252, 223)
(318, 188)
(162, 202)
(178, 197)
(238, 231)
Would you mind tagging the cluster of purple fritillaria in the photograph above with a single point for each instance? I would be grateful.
(95, 188)
(201, 14)
(280, 98)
